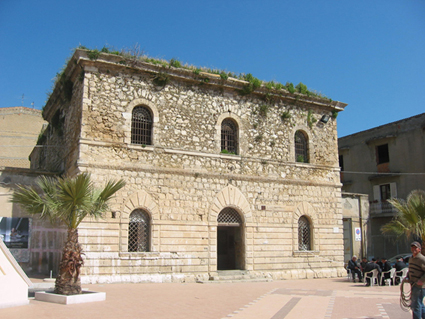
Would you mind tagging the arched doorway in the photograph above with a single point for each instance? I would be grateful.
(230, 244)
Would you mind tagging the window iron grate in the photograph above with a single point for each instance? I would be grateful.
(138, 231)
(229, 216)
(304, 242)
(141, 126)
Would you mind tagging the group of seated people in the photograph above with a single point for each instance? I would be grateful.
(382, 265)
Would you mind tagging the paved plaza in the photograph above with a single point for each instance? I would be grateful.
(333, 298)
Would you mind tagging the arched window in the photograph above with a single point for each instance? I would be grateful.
(139, 231)
(229, 136)
(301, 147)
(141, 126)
(304, 234)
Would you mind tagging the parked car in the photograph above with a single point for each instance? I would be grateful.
(405, 257)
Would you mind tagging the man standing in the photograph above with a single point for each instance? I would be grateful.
(354, 266)
(417, 280)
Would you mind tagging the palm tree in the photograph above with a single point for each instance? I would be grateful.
(69, 200)
(410, 217)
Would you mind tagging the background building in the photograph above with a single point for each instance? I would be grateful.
(19, 131)
(37, 245)
(221, 174)
(384, 162)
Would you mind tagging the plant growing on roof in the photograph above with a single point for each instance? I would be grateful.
(93, 54)
(253, 83)
(175, 63)
(290, 87)
(301, 88)
(224, 75)
(69, 200)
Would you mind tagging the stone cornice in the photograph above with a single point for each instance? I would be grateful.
(114, 62)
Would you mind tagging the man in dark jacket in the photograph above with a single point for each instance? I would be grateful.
(354, 266)
(386, 266)
(399, 266)
(369, 267)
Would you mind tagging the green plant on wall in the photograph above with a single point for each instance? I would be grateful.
(300, 159)
(285, 116)
(311, 119)
(263, 109)
(334, 114)
(161, 79)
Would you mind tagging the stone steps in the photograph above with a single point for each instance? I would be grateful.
(229, 276)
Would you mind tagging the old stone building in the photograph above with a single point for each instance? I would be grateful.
(221, 174)
(39, 246)
(384, 162)
(19, 130)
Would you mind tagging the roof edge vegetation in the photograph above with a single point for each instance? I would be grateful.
(135, 58)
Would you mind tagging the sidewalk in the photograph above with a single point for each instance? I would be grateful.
(333, 298)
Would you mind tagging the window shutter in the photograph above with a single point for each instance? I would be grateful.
(393, 189)
(376, 193)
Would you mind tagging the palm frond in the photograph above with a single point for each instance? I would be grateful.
(67, 199)
(410, 217)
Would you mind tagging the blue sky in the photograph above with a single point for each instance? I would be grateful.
(369, 54)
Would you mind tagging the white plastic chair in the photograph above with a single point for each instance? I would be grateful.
(349, 277)
(391, 278)
(401, 274)
(373, 275)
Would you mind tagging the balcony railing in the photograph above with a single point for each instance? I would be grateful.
(382, 208)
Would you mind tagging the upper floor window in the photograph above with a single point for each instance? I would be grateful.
(301, 147)
(139, 231)
(304, 234)
(141, 126)
(382, 154)
(229, 136)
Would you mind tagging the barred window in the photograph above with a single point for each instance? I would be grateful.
(141, 126)
(304, 234)
(229, 216)
(301, 147)
(229, 136)
(139, 231)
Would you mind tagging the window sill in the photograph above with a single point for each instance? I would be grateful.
(305, 253)
(139, 255)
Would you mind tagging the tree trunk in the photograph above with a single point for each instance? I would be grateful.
(68, 280)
